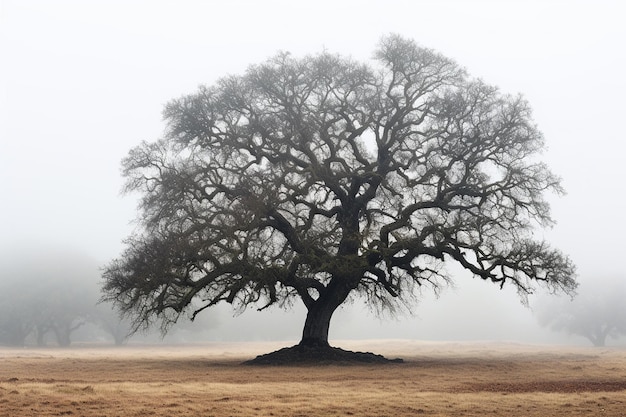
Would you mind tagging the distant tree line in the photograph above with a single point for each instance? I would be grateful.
(52, 298)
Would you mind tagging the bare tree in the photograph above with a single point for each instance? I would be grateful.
(108, 320)
(597, 313)
(44, 291)
(16, 320)
(323, 178)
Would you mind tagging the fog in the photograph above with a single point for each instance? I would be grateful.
(84, 82)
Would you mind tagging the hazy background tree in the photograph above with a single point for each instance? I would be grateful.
(106, 318)
(17, 320)
(597, 313)
(48, 295)
(51, 297)
(320, 179)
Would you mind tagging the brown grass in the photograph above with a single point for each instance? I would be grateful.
(437, 379)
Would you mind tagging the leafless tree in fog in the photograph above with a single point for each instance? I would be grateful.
(322, 178)
(49, 295)
(597, 313)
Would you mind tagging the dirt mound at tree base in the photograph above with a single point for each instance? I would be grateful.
(318, 355)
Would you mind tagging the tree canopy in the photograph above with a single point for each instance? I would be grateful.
(321, 178)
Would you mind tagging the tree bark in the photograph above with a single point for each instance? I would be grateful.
(317, 325)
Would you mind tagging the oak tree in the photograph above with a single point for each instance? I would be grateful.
(323, 178)
(596, 313)
(45, 291)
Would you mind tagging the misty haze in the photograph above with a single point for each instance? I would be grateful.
(323, 183)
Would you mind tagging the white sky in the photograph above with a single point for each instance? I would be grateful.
(84, 81)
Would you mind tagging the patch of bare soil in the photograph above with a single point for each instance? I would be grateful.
(318, 355)
(562, 386)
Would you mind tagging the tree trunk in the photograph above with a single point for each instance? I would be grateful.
(41, 335)
(63, 336)
(63, 332)
(599, 335)
(317, 325)
(120, 334)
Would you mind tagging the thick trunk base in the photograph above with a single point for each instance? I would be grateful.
(314, 343)
(318, 354)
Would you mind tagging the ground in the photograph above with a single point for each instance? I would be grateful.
(317, 355)
(435, 379)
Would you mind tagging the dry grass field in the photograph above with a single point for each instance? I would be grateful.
(437, 379)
